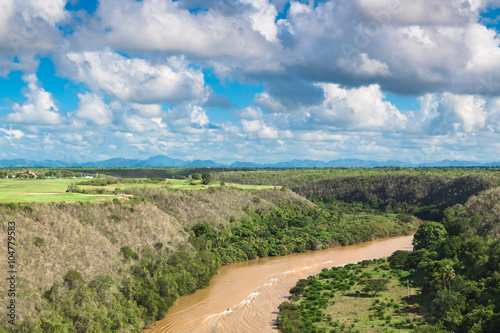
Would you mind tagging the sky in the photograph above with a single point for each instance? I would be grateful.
(250, 80)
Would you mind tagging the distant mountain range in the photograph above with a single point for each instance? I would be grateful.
(165, 161)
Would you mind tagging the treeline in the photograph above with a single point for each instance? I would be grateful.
(425, 195)
(424, 192)
(156, 275)
(166, 172)
(294, 178)
(111, 181)
(40, 173)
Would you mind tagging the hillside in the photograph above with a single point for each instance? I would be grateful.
(54, 238)
(423, 192)
(119, 264)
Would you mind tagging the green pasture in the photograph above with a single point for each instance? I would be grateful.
(43, 190)
(54, 190)
(177, 184)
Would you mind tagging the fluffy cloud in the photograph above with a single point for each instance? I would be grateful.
(363, 66)
(250, 113)
(12, 134)
(236, 29)
(450, 113)
(136, 80)
(360, 108)
(360, 42)
(93, 108)
(29, 26)
(263, 18)
(198, 116)
(39, 108)
(259, 129)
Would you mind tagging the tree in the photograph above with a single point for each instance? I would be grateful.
(73, 279)
(207, 177)
(447, 275)
(195, 176)
(429, 235)
(374, 286)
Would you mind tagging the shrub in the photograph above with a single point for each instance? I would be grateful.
(39, 241)
(128, 253)
(73, 279)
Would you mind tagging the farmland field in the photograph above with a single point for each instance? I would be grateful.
(54, 190)
(42, 190)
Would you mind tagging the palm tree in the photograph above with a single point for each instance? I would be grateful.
(447, 275)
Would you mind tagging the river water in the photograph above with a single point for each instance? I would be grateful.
(244, 297)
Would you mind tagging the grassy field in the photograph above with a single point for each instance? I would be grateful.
(390, 311)
(43, 190)
(54, 190)
(350, 309)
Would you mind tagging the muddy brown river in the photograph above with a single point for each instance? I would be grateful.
(244, 297)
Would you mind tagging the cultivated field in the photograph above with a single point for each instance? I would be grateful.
(43, 190)
(54, 190)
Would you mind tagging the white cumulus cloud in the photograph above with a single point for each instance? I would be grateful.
(39, 108)
(93, 108)
(136, 80)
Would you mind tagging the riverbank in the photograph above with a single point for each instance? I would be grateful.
(253, 290)
(368, 296)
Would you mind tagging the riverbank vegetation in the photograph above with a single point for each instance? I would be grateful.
(118, 265)
(363, 297)
(456, 265)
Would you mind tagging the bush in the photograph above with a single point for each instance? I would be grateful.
(73, 279)
(207, 177)
(39, 241)
(128, 253)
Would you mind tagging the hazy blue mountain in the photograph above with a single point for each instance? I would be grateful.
(239, 164)
(165, 161)
(205, 164)
(162, 160)
(448, 163)
(28, 163)
(111, 163)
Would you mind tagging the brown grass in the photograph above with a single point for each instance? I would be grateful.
(88, 237)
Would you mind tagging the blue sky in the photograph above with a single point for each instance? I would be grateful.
(250, 80)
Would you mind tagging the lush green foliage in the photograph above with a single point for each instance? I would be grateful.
(158, 276)
(457, 267)
(110, 181)
(207, 177)
(422, 192)
(348, 299)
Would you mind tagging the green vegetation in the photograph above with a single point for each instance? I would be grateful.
(129, 279)
(425, 193)
(363, 297)
(43, 190)
(455, 265)
(85, 190)
(88, 238)
(119, 262)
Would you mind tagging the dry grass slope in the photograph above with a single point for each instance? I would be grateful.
(56, 237)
